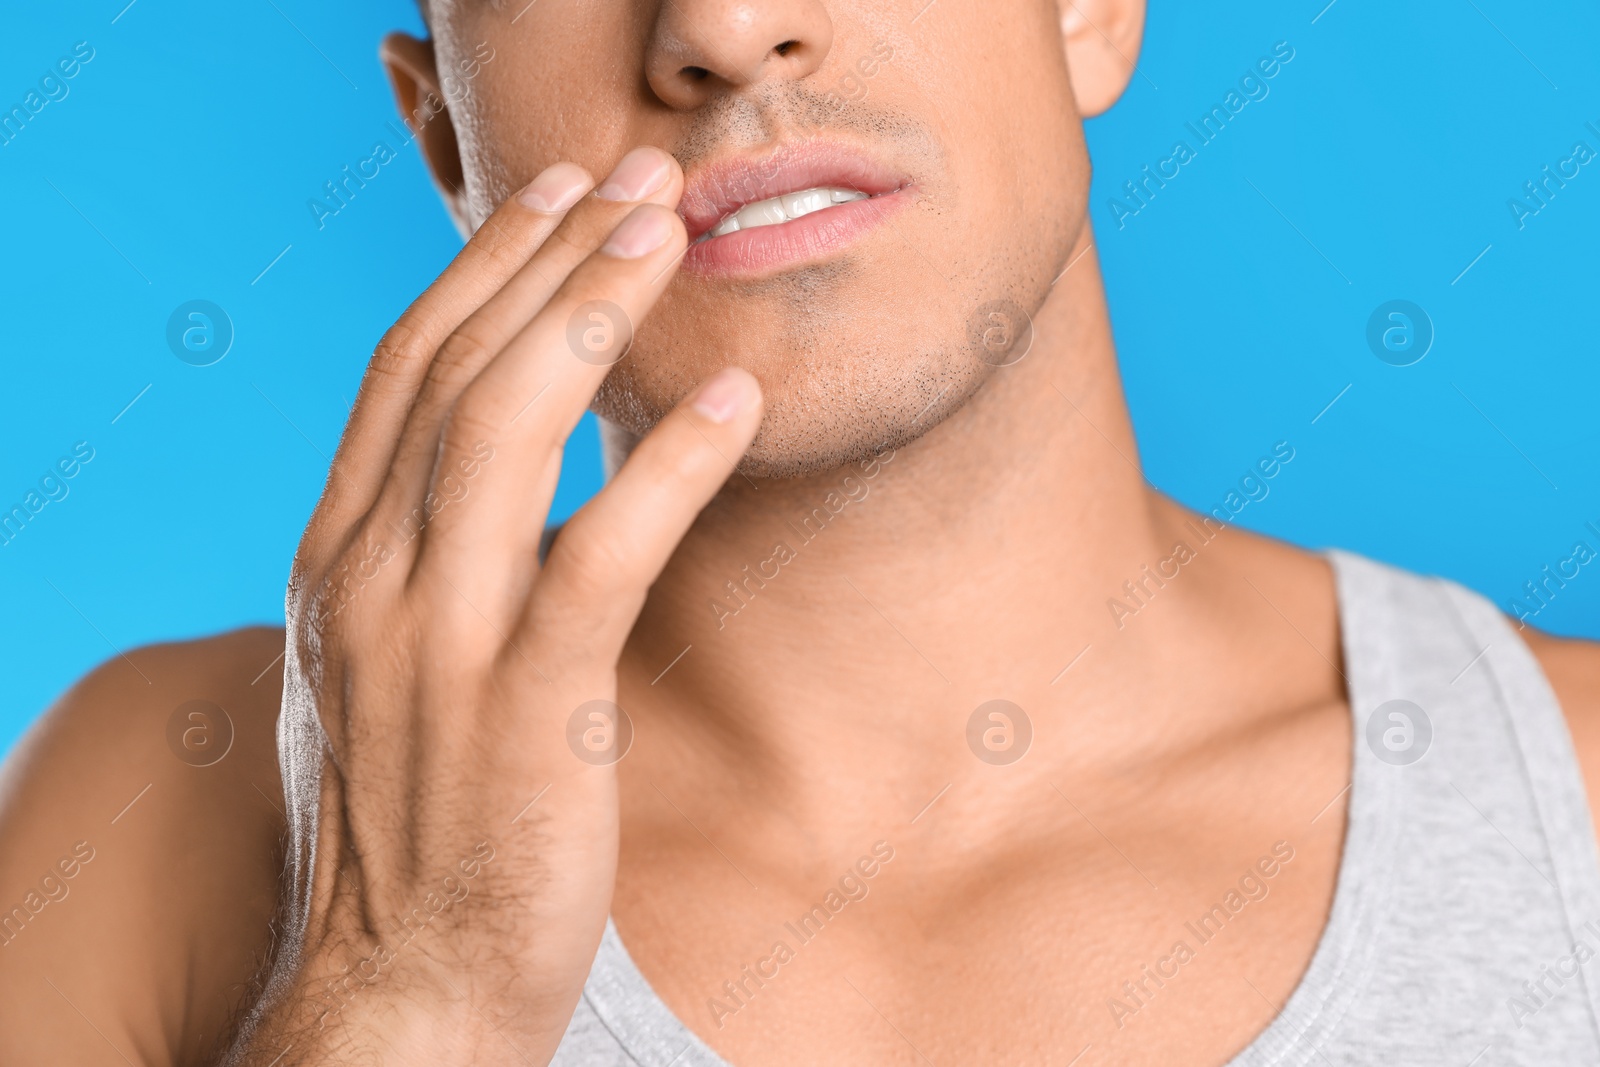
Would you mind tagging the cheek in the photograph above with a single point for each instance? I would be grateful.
(546, 96)
(1016, 157)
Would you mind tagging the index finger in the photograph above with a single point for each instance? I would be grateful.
(491, 257)
(526, 402)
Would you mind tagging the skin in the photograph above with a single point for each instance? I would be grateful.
(829, 714)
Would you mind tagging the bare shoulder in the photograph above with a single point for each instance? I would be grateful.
(141, 831)
(1573, 668)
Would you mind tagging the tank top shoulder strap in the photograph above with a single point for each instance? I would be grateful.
(1469, 874)
(1544, 754)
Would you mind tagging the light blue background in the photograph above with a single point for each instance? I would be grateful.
(1379, 167)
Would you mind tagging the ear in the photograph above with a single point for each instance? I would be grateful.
(1102, 39)
(414, 77)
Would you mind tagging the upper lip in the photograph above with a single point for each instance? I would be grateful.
(720, 188)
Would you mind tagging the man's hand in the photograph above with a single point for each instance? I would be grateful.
(438, 679)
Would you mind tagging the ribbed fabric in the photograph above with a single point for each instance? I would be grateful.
(1465, 927)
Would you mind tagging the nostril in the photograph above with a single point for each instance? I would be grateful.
(698, 74)
(786, 47)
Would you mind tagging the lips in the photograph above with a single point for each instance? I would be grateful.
(801, 203)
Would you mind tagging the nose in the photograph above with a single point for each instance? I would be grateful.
(704, 47)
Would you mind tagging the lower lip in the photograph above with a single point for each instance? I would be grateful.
(798, 242)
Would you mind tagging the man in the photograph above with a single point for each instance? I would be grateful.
(877, 705)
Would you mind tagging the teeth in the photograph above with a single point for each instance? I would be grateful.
(761, 213)
(783, 208)
(804, 203)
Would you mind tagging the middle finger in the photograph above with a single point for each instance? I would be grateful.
(644, 175)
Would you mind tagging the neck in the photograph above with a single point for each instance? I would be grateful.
(972, 564)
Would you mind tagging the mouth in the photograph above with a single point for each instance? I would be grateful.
(801, 204)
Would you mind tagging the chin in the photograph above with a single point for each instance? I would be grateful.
(827, 405)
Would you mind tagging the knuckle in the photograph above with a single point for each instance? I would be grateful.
(318, 543)
(471, 423)
(682, 466)
(498, 247)
(328, 580)
(589, 224)
(676, 460)
(338, 588)
(594, 564)
(463, 354)
(396, 362)
(326, 536)
(400, 348)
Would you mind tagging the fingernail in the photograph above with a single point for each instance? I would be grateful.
(724, 395)
(641, 172)
(644, 230)
(557, 188)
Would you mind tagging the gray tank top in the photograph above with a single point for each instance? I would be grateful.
(1466, 916)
